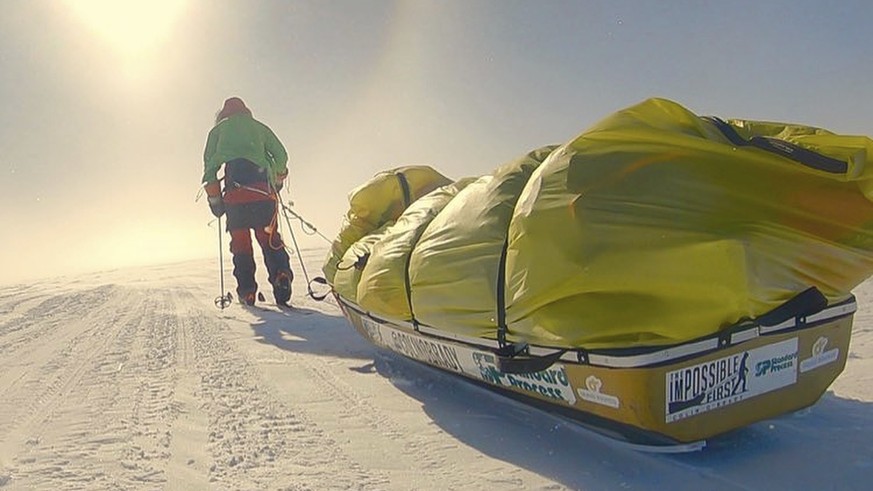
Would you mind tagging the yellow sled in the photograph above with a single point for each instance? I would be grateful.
(664, 277)
(671, 398)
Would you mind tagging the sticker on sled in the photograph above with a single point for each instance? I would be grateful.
(551, 383)
(724, 381)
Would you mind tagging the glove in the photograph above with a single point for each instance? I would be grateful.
(216, 206)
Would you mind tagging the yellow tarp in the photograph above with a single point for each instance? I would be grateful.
(460, 251)
(655, 226)
(378, 201)
(348, 270)
(382, 287)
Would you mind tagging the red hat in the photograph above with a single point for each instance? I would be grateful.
(232, 106)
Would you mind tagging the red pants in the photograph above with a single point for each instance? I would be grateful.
(252, 206)
(241, 240)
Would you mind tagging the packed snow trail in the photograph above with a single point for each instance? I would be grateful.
(130, 383)
(134, 380)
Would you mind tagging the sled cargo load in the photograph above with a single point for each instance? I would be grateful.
(664, 276)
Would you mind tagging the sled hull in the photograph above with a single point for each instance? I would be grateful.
(677, 395)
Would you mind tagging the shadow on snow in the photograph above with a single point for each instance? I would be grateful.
(826, 446)
(306, 330)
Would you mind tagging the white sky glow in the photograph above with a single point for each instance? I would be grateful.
(131, 27)
(107, 103)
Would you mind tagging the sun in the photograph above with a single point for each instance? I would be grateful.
(133, 28)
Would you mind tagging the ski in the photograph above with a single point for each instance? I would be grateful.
(227, 299)
(275, 308)
(279, 309)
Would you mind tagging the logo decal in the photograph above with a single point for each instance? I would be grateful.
(422, 349)
(591, 393)
(819, 357)
(724, 381)
(552, 382)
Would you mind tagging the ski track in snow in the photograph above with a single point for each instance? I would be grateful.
(121, 369)
(134, 380)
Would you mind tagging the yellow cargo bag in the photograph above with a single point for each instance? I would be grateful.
(383, 284)
(657, 226)
(378, 201)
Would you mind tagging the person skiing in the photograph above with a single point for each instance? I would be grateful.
(255, 168)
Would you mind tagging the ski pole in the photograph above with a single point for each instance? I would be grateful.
(223, 300)
(285, 211)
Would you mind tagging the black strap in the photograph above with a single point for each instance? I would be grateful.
(501, 295)
(807, 302)
(408, 285)
(404, 186)
(322, 281)
(515, 362)
(782, 148)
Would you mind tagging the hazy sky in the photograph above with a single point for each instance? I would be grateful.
(105, 108)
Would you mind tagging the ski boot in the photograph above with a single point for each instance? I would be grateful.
(247, 298)
(282, 289)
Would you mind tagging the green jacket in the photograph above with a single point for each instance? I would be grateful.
(241, 136)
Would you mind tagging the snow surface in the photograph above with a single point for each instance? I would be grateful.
(132, 379)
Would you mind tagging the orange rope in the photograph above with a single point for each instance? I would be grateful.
(274, 224)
